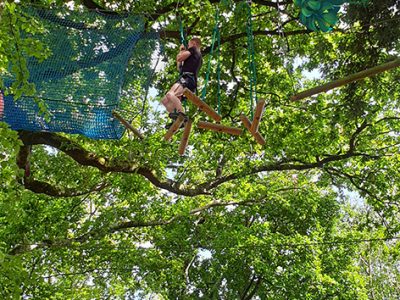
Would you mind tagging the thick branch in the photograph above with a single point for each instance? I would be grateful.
(176, 35)
(260, 2)
(42, 187)
(86, 158)
(258, 33)
(282, 167)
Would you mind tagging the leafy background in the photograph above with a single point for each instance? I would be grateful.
(313, 214)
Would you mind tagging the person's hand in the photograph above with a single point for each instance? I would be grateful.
(182, 48)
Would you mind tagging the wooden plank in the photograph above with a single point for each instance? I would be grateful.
(257, 116)
(201, 105)
(185, 137)
(348, 79)
(219, 128)
(127, 125)
(246, 122)
(174, 127)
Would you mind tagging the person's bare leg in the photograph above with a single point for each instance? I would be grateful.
(169, 106)
(176, 97)
(171, 100)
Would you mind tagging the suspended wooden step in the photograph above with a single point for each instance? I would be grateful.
(348, 79)
(174, 127)
(127, 125)
(185, 137)
(257, 136)
(219, 128)
(257, 116)
(201, 105)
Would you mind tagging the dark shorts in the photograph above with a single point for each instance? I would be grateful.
(188, 81)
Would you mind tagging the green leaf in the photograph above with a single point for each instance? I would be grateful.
(330, 18)
(314, 5)
(323, 26)
(306, 12)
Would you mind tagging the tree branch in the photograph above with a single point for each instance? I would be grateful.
(42, 187)
(257, 33)
(20, 249)
(252, 293)
(260, 2)
(86, 158)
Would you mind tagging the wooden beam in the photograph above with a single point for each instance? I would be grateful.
(257, 116)
(219, 128)
(174, 127)
(201, 105)
(348, 79)
(246, 122)
(127, 125)
(185, 137)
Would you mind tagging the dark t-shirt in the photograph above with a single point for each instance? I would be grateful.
(193, 63)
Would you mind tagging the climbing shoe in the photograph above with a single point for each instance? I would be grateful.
(174, 116)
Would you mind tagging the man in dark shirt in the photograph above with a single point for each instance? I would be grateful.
(189, 62)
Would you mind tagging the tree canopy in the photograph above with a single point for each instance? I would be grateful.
(312, 214)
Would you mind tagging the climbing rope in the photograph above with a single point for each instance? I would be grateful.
(182, 34)
(184, 42)
(219, 72)
(215, 38)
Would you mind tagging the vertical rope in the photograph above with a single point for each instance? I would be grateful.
(214, 36)
(184, 42)
(182, 34)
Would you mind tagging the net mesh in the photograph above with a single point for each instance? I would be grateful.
(81, 82)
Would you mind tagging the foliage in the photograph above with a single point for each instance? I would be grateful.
(313, 214)
(13, 47)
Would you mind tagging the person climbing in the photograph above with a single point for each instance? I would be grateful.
(189, 62)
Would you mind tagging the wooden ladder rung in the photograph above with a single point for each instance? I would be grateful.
(127, 125)
(185, 137)
(257, 116)
(256, 135)
(174, 127)
(201, 105)
(219, 128)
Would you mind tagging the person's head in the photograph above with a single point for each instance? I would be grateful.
(195, 42)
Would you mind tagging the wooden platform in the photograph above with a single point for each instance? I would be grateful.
(257, 116)
(257, 136)
(174, 128)
(201, 105)
(185, 137)
(219, 128)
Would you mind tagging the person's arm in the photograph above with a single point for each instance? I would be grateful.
(183, 54)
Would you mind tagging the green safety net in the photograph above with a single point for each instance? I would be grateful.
(81, 82)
